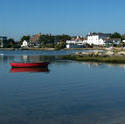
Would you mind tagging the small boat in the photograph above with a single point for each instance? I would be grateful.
(29, 65)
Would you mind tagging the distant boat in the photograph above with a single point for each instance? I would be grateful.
(29, 65)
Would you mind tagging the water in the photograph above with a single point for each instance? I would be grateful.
(67, 92)
(44, 52)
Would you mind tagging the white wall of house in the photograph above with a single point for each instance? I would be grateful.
(24, 44)
(123, 41)
(95, 40)
(74, 44)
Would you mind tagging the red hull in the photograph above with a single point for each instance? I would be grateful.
(29, 65)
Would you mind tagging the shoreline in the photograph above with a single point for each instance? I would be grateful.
(52, 49)
(111, 59)
(10, 49)
(111, 56)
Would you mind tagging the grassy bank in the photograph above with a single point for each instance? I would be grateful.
(27, 49)
(51, 49)
(37, 48)
(84, 48)
(112, 59)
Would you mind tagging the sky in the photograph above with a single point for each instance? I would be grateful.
(73, 17)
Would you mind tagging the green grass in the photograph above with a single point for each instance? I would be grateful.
(112, 59)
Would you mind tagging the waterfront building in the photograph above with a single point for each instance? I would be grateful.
(123, 41)
(3, 41)
(112, 41)
(24, 44)
(75, 42)
(96, 39)
(35, 40)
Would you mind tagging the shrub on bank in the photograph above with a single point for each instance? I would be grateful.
(61, 45)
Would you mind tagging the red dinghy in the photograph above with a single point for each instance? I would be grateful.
(29, 65)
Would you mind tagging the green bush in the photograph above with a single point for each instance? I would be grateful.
(60, 45)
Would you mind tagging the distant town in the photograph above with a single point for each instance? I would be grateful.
(91, 40)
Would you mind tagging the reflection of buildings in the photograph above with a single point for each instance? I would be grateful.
(51, 59)
(37, 58)
(116, 65)
(6, 59)
(92, 65)
(25, 57)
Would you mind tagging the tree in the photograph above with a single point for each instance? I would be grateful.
(116, 35)
(62, 38)
(60, 45)
(27, 38)
(52, 40)
(46, 39)
(123, 37)
(11, 40)
(10, 43)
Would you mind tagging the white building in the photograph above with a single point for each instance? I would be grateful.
(97, 39)
(24, 44)
(116, 41)
(123, 41)
(75, 43)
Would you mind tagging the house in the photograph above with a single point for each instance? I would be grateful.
(3, 41)
(35, 40)
(112, 41)
(24, 44)
(123, 41)
(75, 43)
(97, 38)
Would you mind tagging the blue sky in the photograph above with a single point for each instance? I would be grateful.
(74, 17)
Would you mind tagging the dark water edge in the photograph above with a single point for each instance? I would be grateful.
(69, 93)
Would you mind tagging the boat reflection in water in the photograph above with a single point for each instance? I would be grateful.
(14, 70)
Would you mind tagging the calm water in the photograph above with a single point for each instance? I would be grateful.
(44, 52)
(65, 93)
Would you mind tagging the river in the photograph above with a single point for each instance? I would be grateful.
(67, 92)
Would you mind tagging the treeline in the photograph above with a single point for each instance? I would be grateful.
(54, 41)
(118, 35)
(48, 38)
(45, 40)
(11, 43)
(51, 41)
